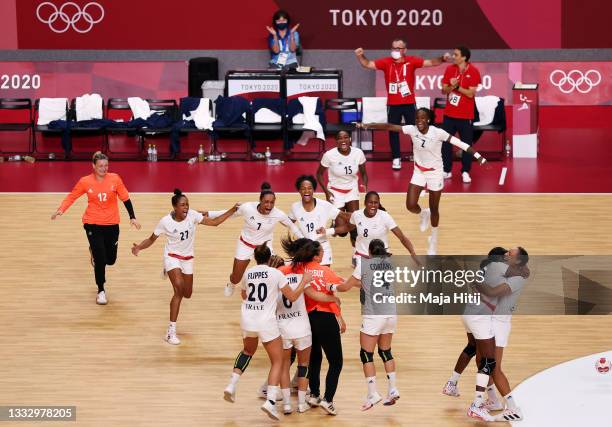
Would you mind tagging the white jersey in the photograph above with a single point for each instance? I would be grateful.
(262, 284)
(368, 229)
(292, 316)
(493, 276)
(506, 304)
(310, 222)
(427, 148)
(180, 234)
(259, 228)
(342, 170)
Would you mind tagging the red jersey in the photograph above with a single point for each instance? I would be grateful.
(395, 74)
(101, 198)
(321, 276)
(458, 105)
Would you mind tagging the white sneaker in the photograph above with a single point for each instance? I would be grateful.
(510, 415)
(229, 394)
(392, 397)
(451, 389)
(425, 215)
(466, 177)
(313, 400)
(493, 405)
(171, 337)
(287, 409)
(432, 248)
(101, 298)
(370, 401)
(479, 413)
(397, 164)
(303, 407)
(328, 407)
(270, 409)
(448, 175)
(229, 290)
(262, 393)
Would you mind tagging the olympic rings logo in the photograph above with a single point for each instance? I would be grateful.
(69, 15)
(575, 80)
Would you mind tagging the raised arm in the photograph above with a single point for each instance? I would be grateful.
(144, 244)
(465, 147)
(293, 294)
(436, 61)
(216, 220)
(379, 126)
(406, 243)
(365, 62)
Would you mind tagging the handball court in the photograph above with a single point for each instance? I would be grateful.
(60, 348)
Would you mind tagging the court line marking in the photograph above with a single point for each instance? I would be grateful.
(317, 193)
(502, 177)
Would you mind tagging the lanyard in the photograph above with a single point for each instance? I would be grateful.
(461, 75)
(284, 47)
(397, 77)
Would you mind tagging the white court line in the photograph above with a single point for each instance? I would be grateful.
(502, 177)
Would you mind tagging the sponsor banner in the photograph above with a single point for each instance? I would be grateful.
(312, 87)
(252, 88)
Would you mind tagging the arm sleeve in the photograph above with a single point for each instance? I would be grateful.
(475, 78)
(121, 190)
(159, 228)
(389, 221)
(408, 130)
(325, 161)
(458, 143)
(130, 208)
(77, 191)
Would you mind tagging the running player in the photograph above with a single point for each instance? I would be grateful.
(343, 163)
(378, 324)
(260, 289)
(101, 218)
(311, 214)
(428, 167)
(179, 226)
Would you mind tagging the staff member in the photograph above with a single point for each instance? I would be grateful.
(101, 218)
(399, 79)
(283, 41)
(459, 84)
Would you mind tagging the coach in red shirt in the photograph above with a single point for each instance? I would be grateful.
(399, 79)
(459, 84)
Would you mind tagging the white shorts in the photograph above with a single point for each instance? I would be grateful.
(481, 326)
(327, 253)
(299, 343)
(170, 263)
(340, 199)
(378, 325)
(245, 253)
(265, 335)
(433, 180)
(501, 329)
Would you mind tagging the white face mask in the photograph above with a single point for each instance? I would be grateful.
(395, 54)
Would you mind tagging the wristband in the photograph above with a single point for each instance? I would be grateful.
(330, 231)
(477, 155)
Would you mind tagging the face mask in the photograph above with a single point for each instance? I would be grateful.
(395, 54)
(282, 25)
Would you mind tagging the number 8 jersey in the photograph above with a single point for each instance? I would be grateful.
(180, 234)
(368, 229)
(262, 284)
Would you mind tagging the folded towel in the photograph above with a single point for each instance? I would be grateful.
(140, 108)
(50, 109)
(265, 115)
(374, 110)
(201, 116)
(311, 120)
(89, 107)
(486, 109)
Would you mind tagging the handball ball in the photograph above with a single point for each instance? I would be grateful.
(603, 365)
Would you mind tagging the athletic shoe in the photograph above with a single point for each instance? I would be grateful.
(303, 407)
(101, 298)
(510, 415)
(313, 400)
(466, 177)
(229, 290)
(370, 401)
(171, 337)
(287, 409)
(262, 393)
(493, 405)
(432, 249)
(229, 394)
(425, 215)
(451, 389)
(448, 175)
(392, 397)
(328, 407)
(397, 164)
(270, 409)
(479, 413)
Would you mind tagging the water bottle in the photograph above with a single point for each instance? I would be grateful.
(154, 153)
(201, 157)
(508, 148)
(150, 153)
(192, 160)
(15, 158)
(268, 155)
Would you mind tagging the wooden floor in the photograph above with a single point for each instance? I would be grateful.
(59, 348)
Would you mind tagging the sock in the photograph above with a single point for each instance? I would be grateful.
(272, 393)
(301, 396)
(371, 382)
(234, 379)
(481, 381)
(491, 394)
(286, 395)
(424, 210)
(434, 233)
(172, 326)
(454, 377)
(391, 377)
(510, 401)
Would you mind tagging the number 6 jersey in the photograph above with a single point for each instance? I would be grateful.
(292, 316)
(180, 234)
(262, 284)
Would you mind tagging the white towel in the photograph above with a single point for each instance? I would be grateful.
(201, 116)
(140, 108)
(423, 101)
(311, 120)
(486, 109)
(50, 109)
(374, 110)
(88, 107)
(265, 115)
(298, 119)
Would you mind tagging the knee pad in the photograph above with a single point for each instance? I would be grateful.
(366, 356)
(487, 365)
(470, 350)
(242, 361)
(353, 234)
(302, 371)
(385, 355)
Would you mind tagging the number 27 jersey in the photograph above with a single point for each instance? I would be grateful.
(181, 234)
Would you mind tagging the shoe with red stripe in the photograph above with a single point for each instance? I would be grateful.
(392, 397)
(493, 405)
(479, 413)
(451, 389)
(370, 401)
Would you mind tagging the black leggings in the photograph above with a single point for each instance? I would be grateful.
(394, 116)
(325, 335)
(103, 241)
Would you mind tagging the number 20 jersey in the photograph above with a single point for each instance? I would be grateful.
(262, 284)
